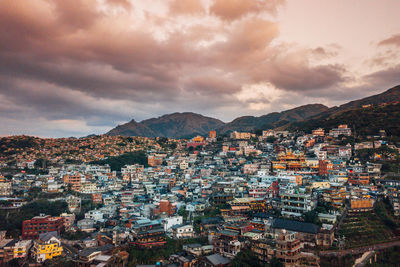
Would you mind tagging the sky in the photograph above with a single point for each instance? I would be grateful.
(73, 68)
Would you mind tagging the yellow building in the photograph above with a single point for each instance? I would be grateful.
(198, 139)
(47, 247)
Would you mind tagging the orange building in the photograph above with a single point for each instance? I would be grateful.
(167, 207)
(359, 178)
(212, 134)
(318, 132)
(198, 139)
(324, 167)
(97, 198)
(75, 180)
(154, 161)
(360, 205)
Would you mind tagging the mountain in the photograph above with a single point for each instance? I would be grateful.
(391, 95)
(367, 120)
(176, 125)
(388, 96)
(273, 120)
(187, 124)
(132, 128)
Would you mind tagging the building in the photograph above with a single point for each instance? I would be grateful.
(86, 225)
(6, 249)
(74, 203)
(226, 243)
(154, 160)
(182, 231)
(318, 132)
(47, 247)
(340, 130)
(263, 249)
(31, 229)
(239, 135)
(148, 234)
(212, 134)
(171, 221)
(288, 248)
(295, 203)
(97, 198)
(167, 207)
(5, 189)
(69, 219)
(361, 205)
(214, 260)
(74, 180)
(21, 249)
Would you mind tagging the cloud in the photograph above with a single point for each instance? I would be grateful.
(123, 3)
(178, 7)
(394, 40)
(236, 9)
(99, 63)
(387, 77)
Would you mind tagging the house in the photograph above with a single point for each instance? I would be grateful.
(214, 260)
(21, 248)
(182, 231)
(194, 249)
(47, 247)
(6, 248)
(148, 234)
(226, 243)
(86, 225)
(95, 215)
(171, 221)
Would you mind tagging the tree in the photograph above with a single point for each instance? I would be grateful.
(271, 139)
(311, 217)
(245, 258)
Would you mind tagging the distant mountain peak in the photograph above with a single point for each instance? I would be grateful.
(174, 125)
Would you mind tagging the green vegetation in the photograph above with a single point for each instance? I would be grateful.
(366, 121)
(389, 158)
(209, 212)
(384, 151)
(78, 235)
(369, 228)
(15, 143)
(151, 256)
(116, 163)
(246, 258)
(384, 211)
(346, 261)
(387, 257)
(11, 220)
(87, 205)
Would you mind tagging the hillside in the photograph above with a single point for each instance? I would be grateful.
(187, 124)
(176, 125)
(273, 120)
(366, 121)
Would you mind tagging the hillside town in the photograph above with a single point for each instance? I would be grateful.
(280, 198)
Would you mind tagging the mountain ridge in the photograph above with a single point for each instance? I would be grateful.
(188, 124)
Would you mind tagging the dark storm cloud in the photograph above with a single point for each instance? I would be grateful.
(96, 65)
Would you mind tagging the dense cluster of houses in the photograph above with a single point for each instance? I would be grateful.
(239, 193)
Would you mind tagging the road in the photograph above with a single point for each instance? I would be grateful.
(360, 250)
